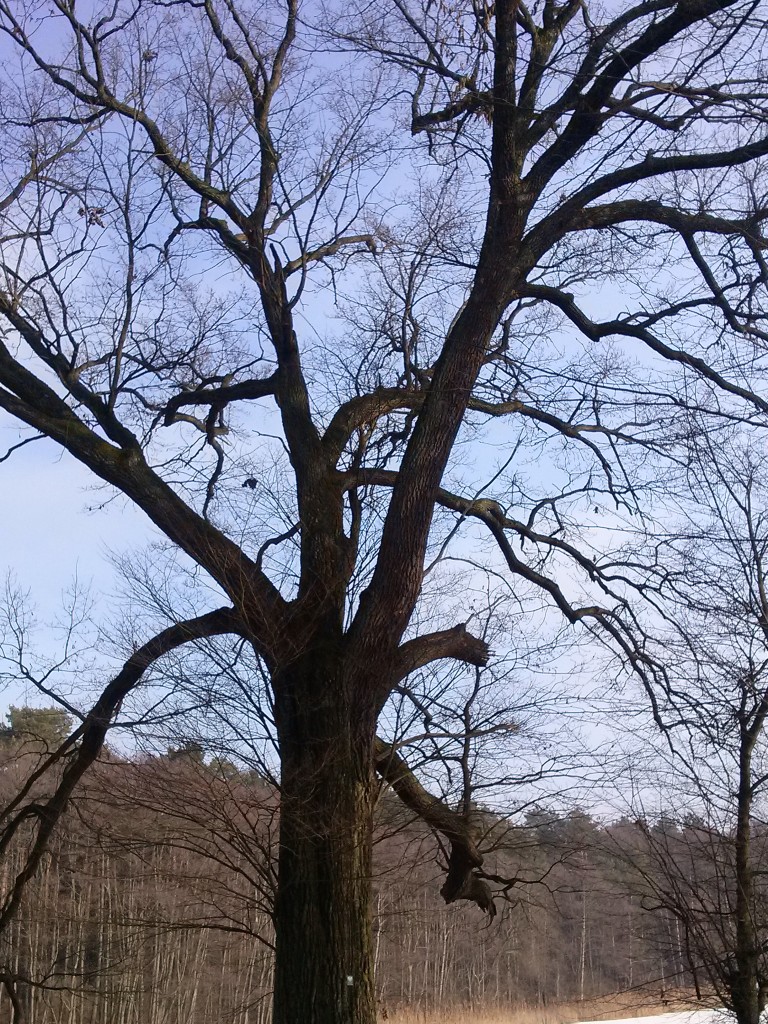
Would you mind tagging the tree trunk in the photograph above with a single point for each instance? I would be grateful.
(745, 994)
(324, 948)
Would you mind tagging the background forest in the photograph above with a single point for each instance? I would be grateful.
(155, 899)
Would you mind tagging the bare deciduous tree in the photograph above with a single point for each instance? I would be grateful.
(705, 862)
(191, 185)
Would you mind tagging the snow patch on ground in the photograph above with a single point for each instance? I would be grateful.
(679, 1017)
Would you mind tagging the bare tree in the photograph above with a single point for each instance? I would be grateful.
(223, 170)
(704, 862)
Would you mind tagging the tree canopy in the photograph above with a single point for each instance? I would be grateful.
(399, 321)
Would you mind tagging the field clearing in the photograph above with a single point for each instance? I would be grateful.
(610, 1010)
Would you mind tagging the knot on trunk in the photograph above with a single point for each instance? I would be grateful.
(463, 882)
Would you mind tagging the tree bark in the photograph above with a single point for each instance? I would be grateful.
(745, 989)
(324, 945)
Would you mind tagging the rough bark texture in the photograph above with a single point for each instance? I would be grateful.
(323, 971)
(745, 989)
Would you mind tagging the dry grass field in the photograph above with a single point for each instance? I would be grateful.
(620, 1006)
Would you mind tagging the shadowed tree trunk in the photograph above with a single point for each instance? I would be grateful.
(324, 963)
(747, 990)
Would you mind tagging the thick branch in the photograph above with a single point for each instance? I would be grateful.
(219, 397)
(324, 252)
(681, 221)
(364, 409)
(89, 738)
(596, 331)
(38, 405)
(462, 882)
(457, 643)
(556, 224)
(99, 409)
(368, 409)
(472, 102)
(589, 109)
(491, 513)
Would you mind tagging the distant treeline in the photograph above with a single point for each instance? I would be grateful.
(153, 905)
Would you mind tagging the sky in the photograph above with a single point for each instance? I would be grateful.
(55, 524)
(49, 536)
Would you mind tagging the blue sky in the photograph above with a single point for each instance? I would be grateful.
(48, 534)
(48, 537)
